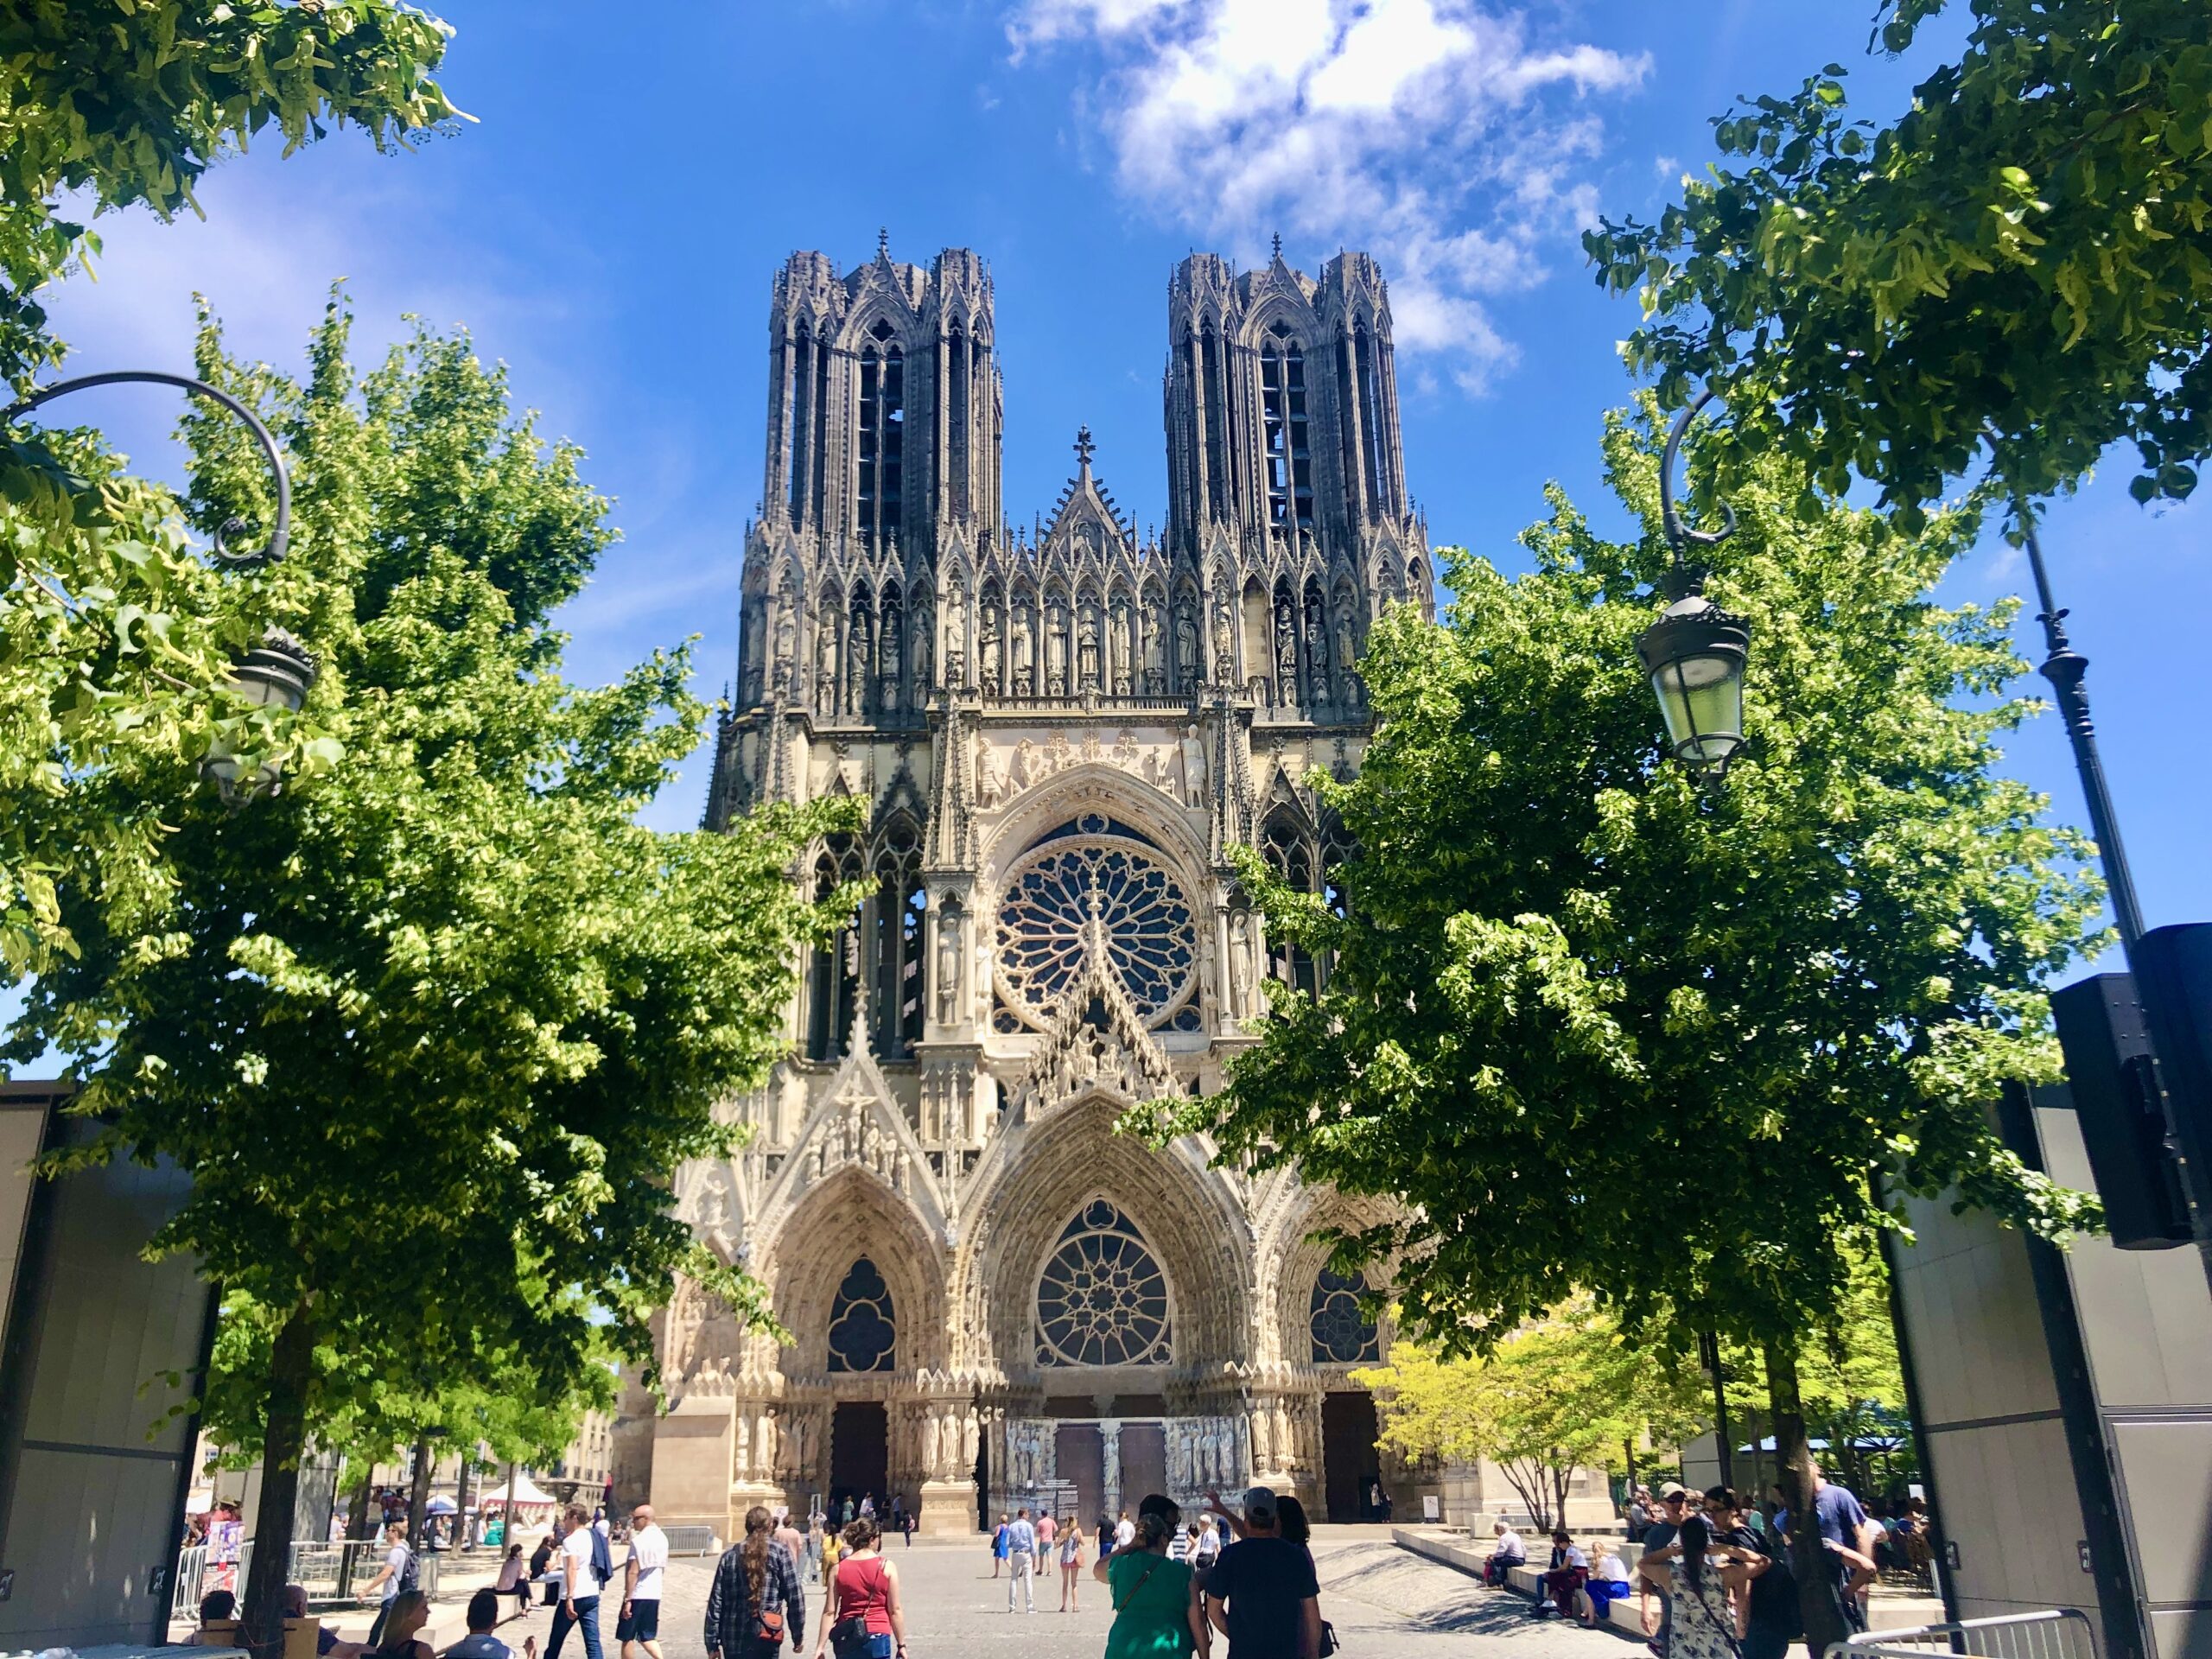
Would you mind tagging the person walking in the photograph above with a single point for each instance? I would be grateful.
(587, 1563)
(1158, 1613)
(1674, 1510)
(833, 1546)
(640, 1621)
(863, 1618)
(1209, 1546)
(1047, 1529)
(395, 1577)
(1261, 1593)
(1701, 1578)
(1021, 1561)
(1125, 1531)
(1070, 1563)
(998, 1543)
(907, 1526)
(755, 1601)
(792, 1542)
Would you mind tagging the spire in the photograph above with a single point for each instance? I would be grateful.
(1278, 244)
(883, 242)
(1083, 448)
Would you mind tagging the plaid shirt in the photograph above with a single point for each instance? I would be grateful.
(731, 1619)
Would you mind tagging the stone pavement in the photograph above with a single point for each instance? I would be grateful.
(1382, 1601)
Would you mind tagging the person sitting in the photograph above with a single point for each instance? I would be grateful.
(480, 1643)
(219, 1608)
(1563, 1581)
(1506, 1552)
(410, 1611)
(1608, 1583)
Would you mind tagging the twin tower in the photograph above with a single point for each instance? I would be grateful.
(883, 498)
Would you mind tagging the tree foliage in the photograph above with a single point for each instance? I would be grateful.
(2027, 250)
(1560, 1392)
(114, 103)
(431, 1030)
(114, 637)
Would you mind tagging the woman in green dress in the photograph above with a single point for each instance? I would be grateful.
(1156, 1609)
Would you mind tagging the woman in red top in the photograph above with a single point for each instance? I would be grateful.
(864, 1587)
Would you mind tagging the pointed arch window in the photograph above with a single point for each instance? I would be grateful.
(863, 1324)
(1216, 422)
(796, 461)
(957, 386)
(882, 436)
(1282, 413)
(1342, 1332)
(831, 965)
(1102, 1300)
(896, 922)
(1371, 417)
(1286, 846)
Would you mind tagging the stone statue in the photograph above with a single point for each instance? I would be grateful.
(1159, 770)
(740, 1458)
(1120, 644)
(1240, 964)
(1186, 647)
(987, 647)
(1125, 750)
(924, 652)
(1025, 656)
(786, 642)
(1194, 768)
(1087, 648)
(1225, 654)
(825, 666)
(1286, 654)
(1056, 652)
(713, 1215)
(1155, 680)
(948, 967)
(989, 785)
(1024, 772)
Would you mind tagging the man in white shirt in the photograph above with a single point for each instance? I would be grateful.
(1021, 1560)
(584, 1568)
(397, 1574)
(1125, 1532)
(641, 1580)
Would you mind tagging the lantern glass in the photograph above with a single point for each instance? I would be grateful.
(1695, 654)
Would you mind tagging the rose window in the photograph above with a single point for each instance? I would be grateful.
(1102, 1300)
(1094, 885)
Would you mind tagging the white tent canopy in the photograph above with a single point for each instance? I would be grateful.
(527, 1494)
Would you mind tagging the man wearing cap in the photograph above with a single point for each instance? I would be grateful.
(1674, 1510)
(1261, 1593)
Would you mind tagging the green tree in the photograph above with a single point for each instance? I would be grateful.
(431, 1030)
(1561, 1392)
(114, 639)
(2027, 251)
(1598, 1027)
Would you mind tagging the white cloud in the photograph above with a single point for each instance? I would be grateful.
(1441, 134)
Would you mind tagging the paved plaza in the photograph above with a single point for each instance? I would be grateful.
(1382, 1601)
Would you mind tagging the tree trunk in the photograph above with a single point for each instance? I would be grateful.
(1817, 1571)
(1628, 1449)
(418, 1495)
(356, 1516)
(461, 1534)
(507, 1513)
(292, 1370)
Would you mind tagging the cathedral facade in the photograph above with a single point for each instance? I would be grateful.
(1060, 730)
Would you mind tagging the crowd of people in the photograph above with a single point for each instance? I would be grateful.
(1715, 1578)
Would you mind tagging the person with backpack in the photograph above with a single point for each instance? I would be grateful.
(755, 1600)
(587, 1564)
(398, 1575)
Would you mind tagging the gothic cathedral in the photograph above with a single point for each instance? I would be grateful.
(1060, 731)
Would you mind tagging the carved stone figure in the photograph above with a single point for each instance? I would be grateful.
(1240, 965)
(924, 654)
(1286, 654)
(1194, 768)
(1023, 656)
(986, 648)
(1056, 651)
(1120, 644)
(1087, 650)
(1187, 647)
(948, 967)
(1125, 750)
(786, 642)
(1224, 643)
(989, 785)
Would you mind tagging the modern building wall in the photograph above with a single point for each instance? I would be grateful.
(94, 1464)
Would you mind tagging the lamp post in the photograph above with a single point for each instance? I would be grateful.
(1695, 652)
(280, 671)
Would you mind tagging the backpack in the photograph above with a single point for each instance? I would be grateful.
(410, 1573)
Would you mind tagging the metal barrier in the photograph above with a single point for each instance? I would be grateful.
(690, 1541)
(333, 1573)
(2060, 1633)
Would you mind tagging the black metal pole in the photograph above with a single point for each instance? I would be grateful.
(1724, 1437)
(2067, 670)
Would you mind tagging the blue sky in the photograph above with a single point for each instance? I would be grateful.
(610, 223)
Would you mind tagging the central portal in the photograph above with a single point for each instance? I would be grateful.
(860, 1456)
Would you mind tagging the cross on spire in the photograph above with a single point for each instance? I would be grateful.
(883, 242)
(1278, 250)
(1084, 447)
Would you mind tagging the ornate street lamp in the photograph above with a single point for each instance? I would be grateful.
(1695, 652)
(279, 672)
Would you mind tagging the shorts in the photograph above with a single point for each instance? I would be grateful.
(640, 1624)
